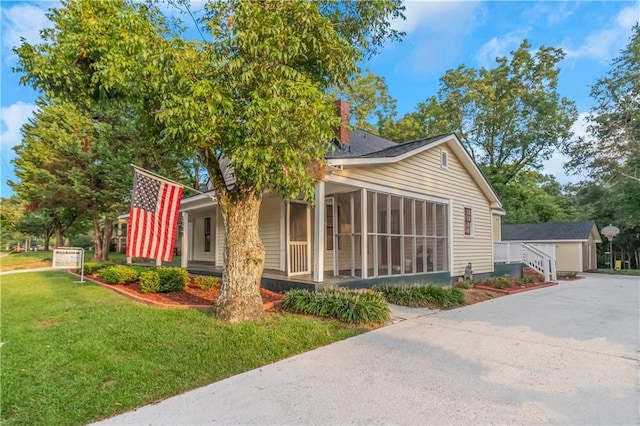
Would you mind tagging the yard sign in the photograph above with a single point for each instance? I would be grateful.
(69, 258)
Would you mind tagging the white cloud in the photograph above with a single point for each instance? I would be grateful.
(23, 20)
(552, 12)
(436, 32)
(605, 43)
(441, 16)
(500, 46)
(13, 117)
(579, 128)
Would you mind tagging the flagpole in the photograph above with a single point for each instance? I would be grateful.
(148, 172)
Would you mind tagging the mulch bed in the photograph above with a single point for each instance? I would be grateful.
(512, 290)
(191, 297)
(475, 295)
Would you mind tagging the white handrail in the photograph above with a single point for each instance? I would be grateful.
(539, 258)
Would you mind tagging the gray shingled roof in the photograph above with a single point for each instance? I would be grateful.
(367, 145)
(361, 143)
(554, 231)
(399, 149)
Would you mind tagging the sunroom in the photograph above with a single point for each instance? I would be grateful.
(370, 233)
(363, 233)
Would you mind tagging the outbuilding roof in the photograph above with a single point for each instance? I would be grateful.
(552, 231)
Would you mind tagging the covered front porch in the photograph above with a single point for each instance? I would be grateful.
(353, 235)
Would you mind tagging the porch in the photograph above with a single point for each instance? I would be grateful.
(280, 281)
(352, 233)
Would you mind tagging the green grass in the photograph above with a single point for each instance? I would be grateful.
(73, 353)
(422, 296)
(620, 272)
(350, 306)
(12, 260)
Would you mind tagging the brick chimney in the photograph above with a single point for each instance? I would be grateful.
(342, 133)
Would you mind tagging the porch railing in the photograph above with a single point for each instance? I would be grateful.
(539, 260)
(507, 252)
(298, 257)
(539, 257)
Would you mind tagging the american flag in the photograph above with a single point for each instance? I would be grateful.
(153, 217)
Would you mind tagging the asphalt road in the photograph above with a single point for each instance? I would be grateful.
(567, 354)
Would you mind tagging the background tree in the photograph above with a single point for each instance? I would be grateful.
(369, 101)
(37, 224)
(11, 210)
(612, 202)
(76, 152)
(533, 197)
(509, 118)
(613, 148)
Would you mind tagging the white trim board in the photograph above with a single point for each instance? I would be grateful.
(385, 189)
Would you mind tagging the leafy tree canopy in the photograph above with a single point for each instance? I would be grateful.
(76, 153)
(369, 101)
(533, 197)
(509, 118)
(613, 148)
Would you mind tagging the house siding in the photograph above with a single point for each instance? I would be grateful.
(270, 224)
(497, 228)
(423, 174)
(568, 256)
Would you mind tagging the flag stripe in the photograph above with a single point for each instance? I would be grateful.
(153, 218)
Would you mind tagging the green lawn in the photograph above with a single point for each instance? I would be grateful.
(73, 353)
(23, 260)
(620, 272)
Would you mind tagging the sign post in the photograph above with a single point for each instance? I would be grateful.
(69, 258)
(610, 232)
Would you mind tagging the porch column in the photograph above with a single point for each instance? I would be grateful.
(364, 240)
(184, 250)
(318, 234)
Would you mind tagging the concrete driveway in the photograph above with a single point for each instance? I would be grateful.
(566, 354)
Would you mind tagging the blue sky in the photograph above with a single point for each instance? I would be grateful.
(440, 36)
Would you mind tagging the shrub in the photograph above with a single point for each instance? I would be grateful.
(466, 284)
(528, 279)
(119, 274)
(149, 282)
(567, 274)
(351, 306)
(172, 279)
(94, 267)
(422, 296)
(503, 281)
(206, 282)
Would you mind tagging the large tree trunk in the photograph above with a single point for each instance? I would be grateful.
(97, 238)
(106, 238)
(59, 237)
(244, 255)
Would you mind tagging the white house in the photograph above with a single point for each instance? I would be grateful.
(418, 211)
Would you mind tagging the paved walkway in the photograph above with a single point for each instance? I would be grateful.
(561, 355)
(17, 271)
